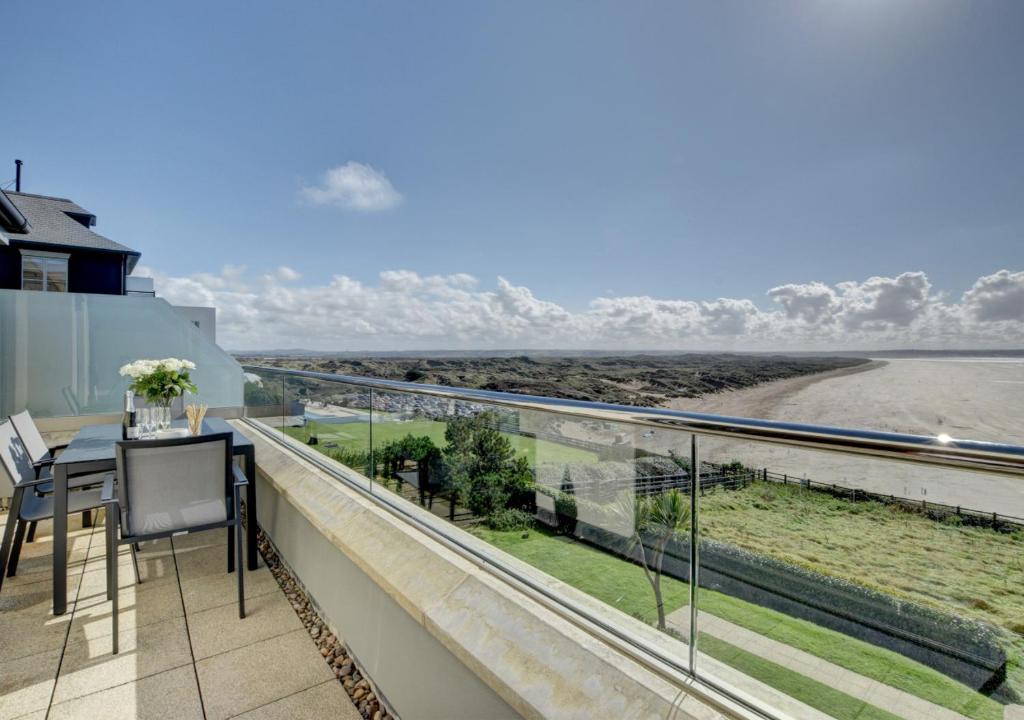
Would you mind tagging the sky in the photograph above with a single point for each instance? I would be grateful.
(614, 175)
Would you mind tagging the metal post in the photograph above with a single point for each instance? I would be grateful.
(694, 552)
(372, 470)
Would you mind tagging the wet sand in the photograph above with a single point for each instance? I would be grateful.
(761, 401)
(971, 398)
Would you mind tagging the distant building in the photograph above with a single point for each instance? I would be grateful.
(47, 244)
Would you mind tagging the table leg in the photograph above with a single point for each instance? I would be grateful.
(60, 539)
(250, 509)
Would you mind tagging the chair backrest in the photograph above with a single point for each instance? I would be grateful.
(13, 456)
(165, 486)
(29, 434)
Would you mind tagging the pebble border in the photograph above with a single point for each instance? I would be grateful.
(338, 657)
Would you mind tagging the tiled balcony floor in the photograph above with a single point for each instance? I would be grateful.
(184, 652)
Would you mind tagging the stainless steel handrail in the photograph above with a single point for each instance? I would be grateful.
(942, 451)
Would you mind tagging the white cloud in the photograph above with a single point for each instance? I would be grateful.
(286, 274)
(402, 309)
(727, 316)
(353, 186)
(999, 296)
(879, 302)
(812, 302)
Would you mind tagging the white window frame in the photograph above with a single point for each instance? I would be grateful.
(45, 255)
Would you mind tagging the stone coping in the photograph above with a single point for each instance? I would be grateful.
(536, 657)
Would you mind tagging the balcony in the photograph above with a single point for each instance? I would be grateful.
(485, 555)
(183, 654)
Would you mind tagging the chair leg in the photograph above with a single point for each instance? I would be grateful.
(19, 537)
(111, 556)
(31, 537)
(112, 576)
(240, 560)
(135, 563)
(231, 549)
(12, 520)
(113, 606)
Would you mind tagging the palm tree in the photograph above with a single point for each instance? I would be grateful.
(660, 518)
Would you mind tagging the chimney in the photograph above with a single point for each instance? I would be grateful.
(17, 175)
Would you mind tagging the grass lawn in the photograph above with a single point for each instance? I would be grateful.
(863, 658)
(357, 437)
(616, 582)
(622, 585)
(811, 692)
(962, 570)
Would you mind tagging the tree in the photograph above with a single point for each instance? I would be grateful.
(481, 466)
(394, 454)
(658, 519)
(256, 394)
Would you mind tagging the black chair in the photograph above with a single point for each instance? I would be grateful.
(43, 457)
(173, 487)
(27, 506)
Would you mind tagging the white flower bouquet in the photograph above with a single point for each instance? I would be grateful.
(160, 381)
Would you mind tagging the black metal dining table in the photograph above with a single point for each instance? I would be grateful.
(92, 450)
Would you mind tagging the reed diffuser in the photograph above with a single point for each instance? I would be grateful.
(195, 415)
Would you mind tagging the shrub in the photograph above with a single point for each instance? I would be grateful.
(656, 466)
(510, 519)
(256, 393)
(350, 457)
(565, 512)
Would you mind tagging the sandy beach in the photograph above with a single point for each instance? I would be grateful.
(974, 398)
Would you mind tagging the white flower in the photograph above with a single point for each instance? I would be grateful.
(142, 368)
(176, 364)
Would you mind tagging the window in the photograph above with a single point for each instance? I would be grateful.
(44, 271)
(32, 270)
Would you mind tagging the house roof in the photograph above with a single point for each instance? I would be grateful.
(58, 221)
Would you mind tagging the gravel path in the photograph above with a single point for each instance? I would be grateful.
(876, 693)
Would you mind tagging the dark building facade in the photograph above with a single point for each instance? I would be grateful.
(47, 244)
